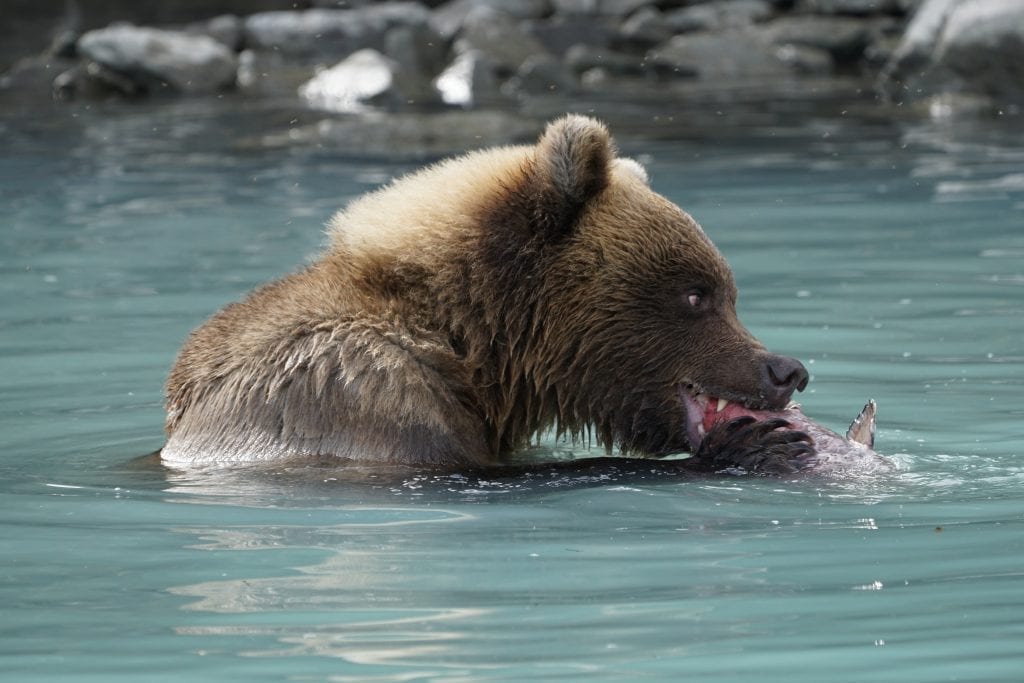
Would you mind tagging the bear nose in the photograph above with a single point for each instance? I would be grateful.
(782, 376)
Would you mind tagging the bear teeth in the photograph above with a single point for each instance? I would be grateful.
(722, 403)
(701, 431)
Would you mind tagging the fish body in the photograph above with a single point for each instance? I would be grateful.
(838, 455)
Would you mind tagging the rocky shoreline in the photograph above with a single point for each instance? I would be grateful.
(371, 74)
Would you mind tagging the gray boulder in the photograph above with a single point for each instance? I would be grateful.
(501, 38)
(647, 27)
(226, 28)
(270, 74)
(852, 7)
(983, 44)
(809, 61)
(450, 17)
(973, 47)
(733, 55)
(558, 33)
(325, 33)
(607, 8)
(154, 59)
(419, 52)
(845, 38)
(583, 58)
(542, 75)
(716, 16)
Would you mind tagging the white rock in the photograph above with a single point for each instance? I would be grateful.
(350, 85)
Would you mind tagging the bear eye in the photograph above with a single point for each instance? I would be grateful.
(695, 298)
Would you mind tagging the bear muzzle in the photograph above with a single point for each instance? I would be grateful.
(780, 377)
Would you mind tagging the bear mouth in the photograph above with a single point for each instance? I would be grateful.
(704, 411)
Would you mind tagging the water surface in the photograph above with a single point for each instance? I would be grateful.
(890, 258)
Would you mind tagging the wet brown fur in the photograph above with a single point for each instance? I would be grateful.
(548, 290)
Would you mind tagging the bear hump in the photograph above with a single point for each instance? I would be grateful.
(437, 202)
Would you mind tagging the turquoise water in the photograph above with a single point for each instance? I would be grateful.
(890, 258)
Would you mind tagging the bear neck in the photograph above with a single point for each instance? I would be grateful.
(491, 292)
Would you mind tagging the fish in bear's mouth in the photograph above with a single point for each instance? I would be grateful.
(704, 411)
(834, 454)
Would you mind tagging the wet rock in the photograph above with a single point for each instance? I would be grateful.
(419, 53)
(809, 61)
(975, 47)
(499, 37)
(271, 74)
(227, 29)
(30, 80)
(583, 58)
(154, 59)
(884, 42)
(450, 17)
(844, 37)
(561, 32)
(606, 8)
(647, 27)
(983, 44)
(323, 33)
(90, 80)
(542, 75)
(716, 16)
(470, 80)
(852, 7)
(921, 36)
(736, 55)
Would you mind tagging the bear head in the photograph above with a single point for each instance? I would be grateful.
(610, 308)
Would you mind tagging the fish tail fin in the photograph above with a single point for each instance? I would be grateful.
(862, 429)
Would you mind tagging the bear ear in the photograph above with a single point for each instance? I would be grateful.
(574, 157)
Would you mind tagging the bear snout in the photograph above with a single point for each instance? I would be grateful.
(780, 377)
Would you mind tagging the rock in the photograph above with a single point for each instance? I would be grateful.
(419, 53)
(470, 80)
(155, 59)
(560, 32)
(325, 33)
(90, 80)
(410, 136)
(32, 80)
(910, 6)
(607, 8)
(365, 77)
(499, 37)
(975, 47)
(542, 75)
(716, 16)
(647, 27)
(735, 55)
(852, 7)
(450, 17)
(844, 37)
(922, 35)
(983, 44)
(227, 29)
(810, 61)
(270, 74)
(583, 58)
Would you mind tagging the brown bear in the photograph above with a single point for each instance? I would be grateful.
(465, 308)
